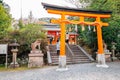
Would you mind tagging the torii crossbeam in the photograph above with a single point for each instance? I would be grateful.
(82, 14)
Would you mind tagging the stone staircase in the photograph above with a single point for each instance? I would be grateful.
(77, 57)
(55, 57)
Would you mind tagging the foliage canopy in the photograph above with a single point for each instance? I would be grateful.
(5, 21)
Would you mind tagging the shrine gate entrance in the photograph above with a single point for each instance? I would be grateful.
(82, 14)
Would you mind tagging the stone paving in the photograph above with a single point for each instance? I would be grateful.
(87, 71)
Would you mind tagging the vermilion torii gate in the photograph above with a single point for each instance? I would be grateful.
(82, 14)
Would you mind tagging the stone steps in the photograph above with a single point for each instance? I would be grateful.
(55, 60)
(78, 57)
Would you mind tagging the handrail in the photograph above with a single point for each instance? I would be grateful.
(69, 50)
(48, 55)
(85, 53)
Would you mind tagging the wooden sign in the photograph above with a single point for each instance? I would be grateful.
(3, 48)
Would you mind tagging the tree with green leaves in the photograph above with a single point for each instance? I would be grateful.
(20, 24)
(5, 21)
(110, 33)
(27, 35)
(1, 1)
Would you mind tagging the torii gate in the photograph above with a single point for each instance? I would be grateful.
(63, 11)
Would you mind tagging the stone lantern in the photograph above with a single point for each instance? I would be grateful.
(14, 50)
(113, 50)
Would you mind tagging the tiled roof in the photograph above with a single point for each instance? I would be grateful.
(51, 27)
(55, 7)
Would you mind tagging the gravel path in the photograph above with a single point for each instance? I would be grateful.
(87, 71)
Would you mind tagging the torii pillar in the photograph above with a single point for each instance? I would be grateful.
(62, 57)
(100, 52)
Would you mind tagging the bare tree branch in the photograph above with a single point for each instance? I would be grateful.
(79, 3)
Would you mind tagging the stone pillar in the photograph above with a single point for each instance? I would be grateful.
(35, 59)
